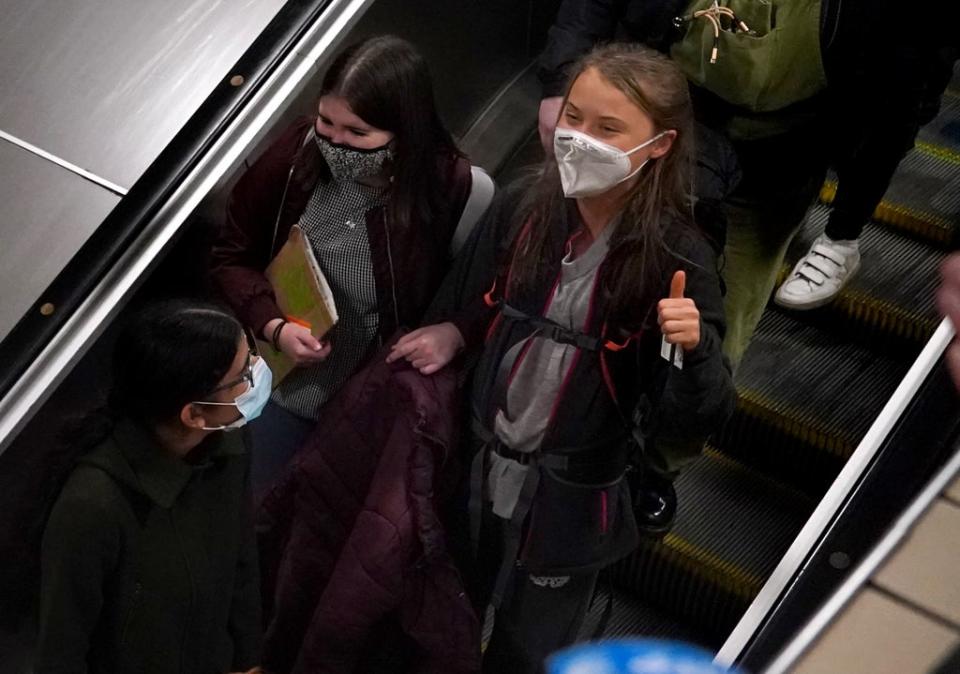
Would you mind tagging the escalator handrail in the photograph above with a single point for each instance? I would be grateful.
(805, 638)
(822, 518)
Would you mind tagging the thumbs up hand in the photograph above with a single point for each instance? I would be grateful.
(678, 316)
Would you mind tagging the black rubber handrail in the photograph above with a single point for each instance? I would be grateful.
(921, 442)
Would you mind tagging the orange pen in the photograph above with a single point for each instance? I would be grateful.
(300, 322)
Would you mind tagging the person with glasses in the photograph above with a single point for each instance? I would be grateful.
(148, 559)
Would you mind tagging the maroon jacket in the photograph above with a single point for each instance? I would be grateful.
(408, 262)
(350, 535)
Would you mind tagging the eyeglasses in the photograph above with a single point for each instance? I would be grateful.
(246, 375)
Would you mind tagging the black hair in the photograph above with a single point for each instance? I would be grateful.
(166, 355)
(387, 83)
(169, 354)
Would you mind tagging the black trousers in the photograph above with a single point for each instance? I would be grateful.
(538, 615)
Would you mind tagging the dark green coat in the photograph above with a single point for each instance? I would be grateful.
(149, 562)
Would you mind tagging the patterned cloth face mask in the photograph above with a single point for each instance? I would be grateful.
(350, 163)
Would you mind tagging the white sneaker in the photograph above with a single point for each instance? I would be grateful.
(820, 274)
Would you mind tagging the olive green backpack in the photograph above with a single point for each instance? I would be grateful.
(760, 55)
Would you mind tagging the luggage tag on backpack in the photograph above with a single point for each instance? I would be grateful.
(671, 353)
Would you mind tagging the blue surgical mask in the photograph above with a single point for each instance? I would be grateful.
(251, 402)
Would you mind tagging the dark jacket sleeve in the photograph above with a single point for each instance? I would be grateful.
(245, 624)
(80, 548)
(580, 24)
(244, 244)
(697, 400)
(460, 299)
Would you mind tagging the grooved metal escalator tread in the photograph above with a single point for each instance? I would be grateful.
(893, 293)
(806, 398)
(634, 618)
(944, 130)
(733, 524)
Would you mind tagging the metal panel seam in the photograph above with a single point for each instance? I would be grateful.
(63, 163)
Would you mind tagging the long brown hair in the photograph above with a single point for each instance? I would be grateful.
(639, 258)
(387, 83)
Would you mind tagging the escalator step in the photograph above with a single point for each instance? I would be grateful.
(893, 293)
(924, 196)
(631, 617)
(944, 130)
(733, 525)
(806, 398)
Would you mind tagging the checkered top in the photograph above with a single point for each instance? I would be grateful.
(335, 224)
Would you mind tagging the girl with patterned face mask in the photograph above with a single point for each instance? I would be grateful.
(352, 148)
(377, 186)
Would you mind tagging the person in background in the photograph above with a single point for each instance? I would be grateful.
(948, 301)
(572, 288)
(148, 559)
(842, 83)
(377, 185)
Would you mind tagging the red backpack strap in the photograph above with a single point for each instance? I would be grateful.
(492, 302)
(613, 347)
(488, 297)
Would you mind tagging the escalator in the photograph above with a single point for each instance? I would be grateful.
(810, 386)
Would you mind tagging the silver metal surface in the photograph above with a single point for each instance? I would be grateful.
(796, 648)
(88, 321)
(73, 168)
(806, 541)
(106, 85)
(48, 213)
(507, 120)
